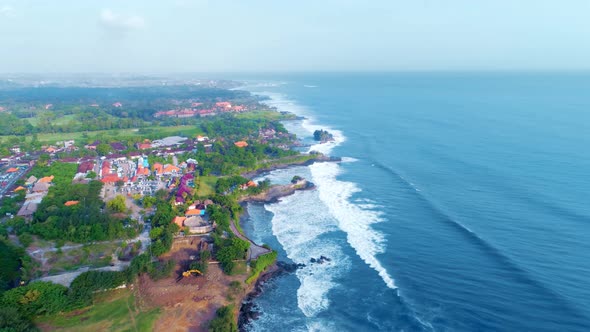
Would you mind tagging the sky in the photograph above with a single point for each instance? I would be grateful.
(133, 36)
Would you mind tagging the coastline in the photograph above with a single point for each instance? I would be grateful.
(320, 158)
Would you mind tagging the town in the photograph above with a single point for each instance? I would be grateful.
(155, 205)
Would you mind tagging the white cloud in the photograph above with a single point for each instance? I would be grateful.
(6, 11)
(120, 22)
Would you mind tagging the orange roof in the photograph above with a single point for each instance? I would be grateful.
(70, 203)
(143, 171)
(12, 170)
(46, 179)
(51, 149)
(20, 188)
(192, 212)
(170, 169)
(241, 144)
(179, 221)
(251, 184)
(110, 178)
(158, 168)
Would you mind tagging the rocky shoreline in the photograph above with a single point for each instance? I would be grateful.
(249, 310)
(319, 159)
(274, 193)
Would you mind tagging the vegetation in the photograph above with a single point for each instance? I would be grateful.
(224, 320)
(261, 264)
(322, 135)
(112, 311)
(10, 263)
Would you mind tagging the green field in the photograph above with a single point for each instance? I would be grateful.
(160, 132)
(207, 186)
(265, 114)
(113, 311)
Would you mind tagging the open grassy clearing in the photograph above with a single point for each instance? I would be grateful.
(206, 185)
(188, 131)
(113, 311)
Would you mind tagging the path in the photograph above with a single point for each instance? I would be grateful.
(255, 250)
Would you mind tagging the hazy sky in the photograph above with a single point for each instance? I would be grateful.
(282, 35)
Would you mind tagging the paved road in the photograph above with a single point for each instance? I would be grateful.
(255, 250)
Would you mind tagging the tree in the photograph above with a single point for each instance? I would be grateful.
(224, 321)
(103, 149)
(117, 204)
(91, 175)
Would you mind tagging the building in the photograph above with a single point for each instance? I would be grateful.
(194, 212)
(241, 144)
(30, 181)
(198, 225)
(70, 203)
(179, 221)
(47, 179)
(41, 187)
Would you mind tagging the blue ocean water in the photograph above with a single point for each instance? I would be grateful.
(461, 204)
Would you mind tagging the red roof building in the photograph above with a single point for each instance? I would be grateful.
(70, 203)
(110, 178)
(241, 144)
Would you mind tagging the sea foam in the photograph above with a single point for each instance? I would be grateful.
(301, 220)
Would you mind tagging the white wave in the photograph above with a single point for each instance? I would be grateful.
(349, 160)
(352, 218)
(298, 229)
(298, 224)
(310, 86)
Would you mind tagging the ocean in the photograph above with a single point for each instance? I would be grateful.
(461, 204)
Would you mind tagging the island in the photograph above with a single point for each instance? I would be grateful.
(323, 136)
(121, 206)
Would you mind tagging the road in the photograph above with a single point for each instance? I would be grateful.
(255, 250)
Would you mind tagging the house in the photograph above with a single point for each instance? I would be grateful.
(85, 167)
(19, 188)
(117, 104)
(194, 212)
(141, 171)
(15, 149)
(158, 168)
(27, 210)
(93, 145)
(30, 181)
(106, 168)
(41, 187)
(51, 149)
(12, 170)
(241, 144)
(196, 104)
(48, 106)
(170, 169)
(144, 146)
(179, 221)
(197, 225)
(70, 203)
(47, 179)
(223, 104)
(117, 146)
(69, 143)
(110, 178)
(202, 138)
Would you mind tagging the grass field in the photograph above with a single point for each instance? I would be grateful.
(95, 255)
(113, 311)
(187, 131)
(265, 114)
(207, 185)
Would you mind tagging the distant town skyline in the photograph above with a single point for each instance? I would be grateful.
(266, 36)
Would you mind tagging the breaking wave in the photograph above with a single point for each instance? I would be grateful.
(354, 219)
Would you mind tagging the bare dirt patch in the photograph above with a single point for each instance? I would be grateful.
(191, 302)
